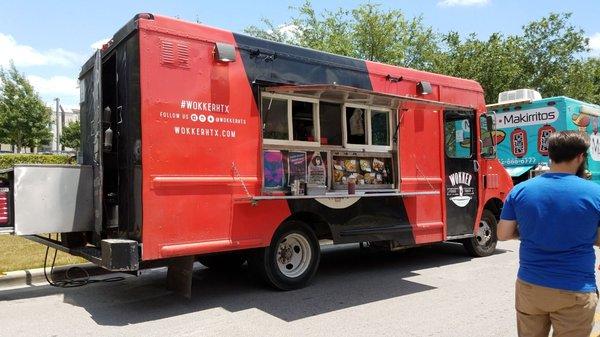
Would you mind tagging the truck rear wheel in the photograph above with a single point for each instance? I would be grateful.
(485, 239)
(292, 258)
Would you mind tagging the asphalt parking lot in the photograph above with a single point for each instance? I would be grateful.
(429, 291)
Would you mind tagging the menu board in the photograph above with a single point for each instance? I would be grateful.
(282, 167)
(368, 172)
(296, 166)
(317, 169)
(274, 170)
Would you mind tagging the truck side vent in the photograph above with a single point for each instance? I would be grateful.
(175, 53)
(183, 55)
(167, 52)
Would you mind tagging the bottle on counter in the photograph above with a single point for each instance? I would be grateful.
(351, 186)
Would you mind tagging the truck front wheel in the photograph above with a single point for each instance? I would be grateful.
(292, 258)
(483, 243)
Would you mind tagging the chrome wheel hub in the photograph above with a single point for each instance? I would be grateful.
(293, 255)
(483, 234)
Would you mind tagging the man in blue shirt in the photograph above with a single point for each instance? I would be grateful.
(556, 215)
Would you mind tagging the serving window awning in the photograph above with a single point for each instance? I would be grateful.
(349, 94)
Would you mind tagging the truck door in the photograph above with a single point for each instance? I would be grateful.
(461, 174)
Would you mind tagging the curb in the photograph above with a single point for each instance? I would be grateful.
(33, 277)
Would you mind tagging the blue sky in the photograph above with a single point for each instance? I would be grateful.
(50, 40)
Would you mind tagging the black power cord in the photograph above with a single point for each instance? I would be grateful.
(69, 281)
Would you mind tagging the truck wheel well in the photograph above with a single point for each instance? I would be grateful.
(495, 206)
(316, 222)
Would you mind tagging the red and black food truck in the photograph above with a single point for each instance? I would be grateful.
(200, 143)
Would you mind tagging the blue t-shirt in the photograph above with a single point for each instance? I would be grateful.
(558, 216)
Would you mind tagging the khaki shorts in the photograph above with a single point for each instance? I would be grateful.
(570, 313)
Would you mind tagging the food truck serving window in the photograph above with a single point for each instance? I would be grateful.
(330, 120)
(289, 120)
(317, 147)
(367, 127)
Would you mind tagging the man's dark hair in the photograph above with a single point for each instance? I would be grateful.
(564, 146)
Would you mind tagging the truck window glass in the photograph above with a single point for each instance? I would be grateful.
(380, 128)
(302, 121)
(275, 118)
(488, 150)
(458, 138)
(355, 126)
(330, 122)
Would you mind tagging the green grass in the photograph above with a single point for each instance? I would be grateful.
(18, 253)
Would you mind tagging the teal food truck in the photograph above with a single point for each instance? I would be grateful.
(525, 120)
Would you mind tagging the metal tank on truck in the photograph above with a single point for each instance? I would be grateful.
(203, 144)
(525, 120)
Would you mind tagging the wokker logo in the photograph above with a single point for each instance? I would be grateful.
(540, 116)
(460, 191)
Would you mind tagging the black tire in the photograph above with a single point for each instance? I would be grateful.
(484, 242)
(264, 262)
(223, 261)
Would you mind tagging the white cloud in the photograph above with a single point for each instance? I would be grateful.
(26, 56)
(98, 44)
(289, 30)
(55, 86)
(595, 44)
(464, 3)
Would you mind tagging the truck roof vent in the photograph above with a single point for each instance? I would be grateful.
(518, 95)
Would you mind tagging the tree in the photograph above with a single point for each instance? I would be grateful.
(548, 55)
(24, 118)
(552, 45)
(389, 37)
(583, 81)
(494, 63)
(71, 135)
(367, 32)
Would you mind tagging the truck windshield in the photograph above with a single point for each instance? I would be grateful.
(488, 140)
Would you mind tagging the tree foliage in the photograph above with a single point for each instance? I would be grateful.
(71, 135)
(24, 118)
(548, 55)
(367, 32)
(551, 46)
(492, 62)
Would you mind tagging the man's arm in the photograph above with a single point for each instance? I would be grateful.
(598, 239)
(507, 230)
